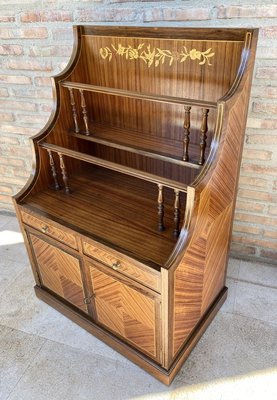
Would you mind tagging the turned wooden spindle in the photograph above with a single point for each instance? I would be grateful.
(84, 110)
(64, 174)
(53, 169)
(74, 111)
(160, 208)
(176, 230)
(203, 137)
(186, 133)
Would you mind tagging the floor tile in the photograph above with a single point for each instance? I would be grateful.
(4, 220)
(261, 274)
(232, 345)
(233, 268)
(17, 350)
(229, 304)
(256, 302)
(24, 311)
(8, 272)
(60, 372)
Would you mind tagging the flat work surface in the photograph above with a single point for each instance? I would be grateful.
(116, 209)
(44, 356)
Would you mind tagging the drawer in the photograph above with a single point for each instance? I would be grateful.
(49, 229)
(123, 264)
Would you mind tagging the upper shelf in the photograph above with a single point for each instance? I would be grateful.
(138, 95)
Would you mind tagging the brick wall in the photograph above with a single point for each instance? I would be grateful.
(36, 42)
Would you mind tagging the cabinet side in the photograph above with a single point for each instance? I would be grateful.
(199, 270)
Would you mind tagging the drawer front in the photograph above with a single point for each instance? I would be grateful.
(123, 265)
(48, 229)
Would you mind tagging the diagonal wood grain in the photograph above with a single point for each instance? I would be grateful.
(59, 271)
(125, 311)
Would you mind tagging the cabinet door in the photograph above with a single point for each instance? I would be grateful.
(59, 271)
(125, 311)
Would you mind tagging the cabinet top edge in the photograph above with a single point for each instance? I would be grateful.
(215, 33)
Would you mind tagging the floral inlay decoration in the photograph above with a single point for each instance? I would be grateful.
(156, 56)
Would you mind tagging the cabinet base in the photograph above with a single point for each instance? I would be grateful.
(165, 376)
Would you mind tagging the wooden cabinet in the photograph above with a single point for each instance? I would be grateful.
(128, 214)
(58, 270)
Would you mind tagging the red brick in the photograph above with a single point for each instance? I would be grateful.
(265, 107)
(51, 51)
(268, 92)
(42, 81)
(271, 140)
(249, 206)
(176, 14)
(105, 15)
(46, 16)
(20, 130)
(62, 34)
(247, 229)
(46, 108)
(270, 234)
(5, 199)
(28, 33)
(15, 79)
(266, 53)
(275, 185)
(9, 140)
(256, 219)
(252, 181)
(256, 154)
(6, 190)
(11, 49)
(255, 195)
(260, 169)
(7, 18)
(32, 119)
(6, 117)
(255, 11)
(30, 65)
(238, 249)
(33, 93)
(273, 210)
(4, 93)
(270, 32)
(267, 72)
(16, 162)
(255, 241)
(17, 105)
(272, 255)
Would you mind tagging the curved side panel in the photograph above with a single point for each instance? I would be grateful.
(199, 271)
(77, 30)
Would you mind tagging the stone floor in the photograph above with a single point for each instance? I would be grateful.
(44, 356)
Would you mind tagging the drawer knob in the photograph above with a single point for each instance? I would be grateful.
(116, 265)
(45, 229)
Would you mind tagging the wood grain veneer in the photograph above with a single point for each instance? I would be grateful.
(127, 216)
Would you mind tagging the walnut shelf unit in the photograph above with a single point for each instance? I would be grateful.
(127, 216)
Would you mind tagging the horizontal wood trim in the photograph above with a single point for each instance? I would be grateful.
(139, 96)
(46, 227)
(218, 34)
(127, 266)
(115, 167)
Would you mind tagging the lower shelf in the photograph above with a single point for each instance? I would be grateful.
(165, 376)
(115, 209)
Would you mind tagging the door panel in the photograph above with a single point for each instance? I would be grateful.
(59, 271)
(125, 311)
